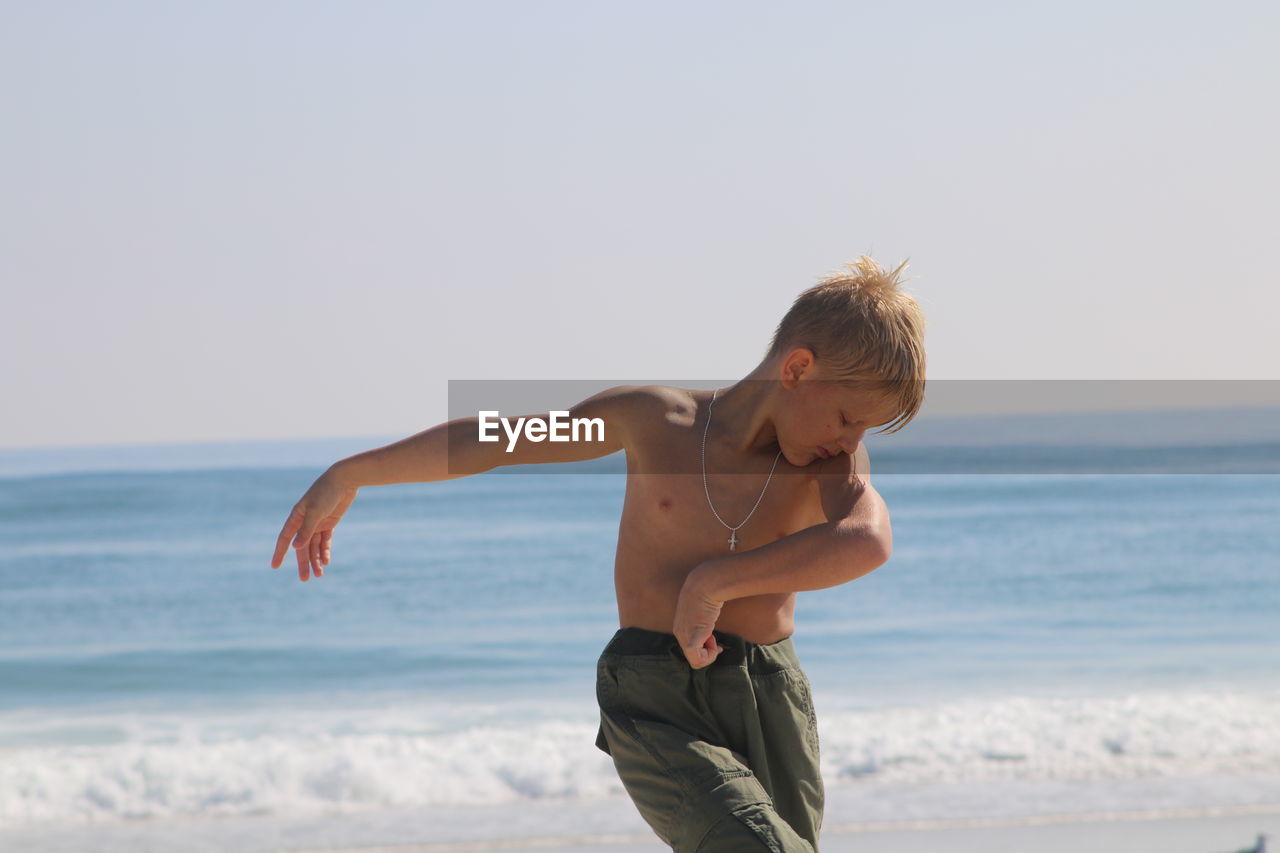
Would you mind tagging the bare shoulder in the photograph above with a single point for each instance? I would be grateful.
(667, 402)
(651, 407)
(852, 469)
(632, 410)
(614, 419)
(861, 462)
(843, 481)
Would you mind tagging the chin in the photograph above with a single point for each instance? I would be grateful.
(809, 461)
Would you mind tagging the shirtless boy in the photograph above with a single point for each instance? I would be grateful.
(736, 499)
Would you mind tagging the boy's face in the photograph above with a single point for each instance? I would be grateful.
(822, 418)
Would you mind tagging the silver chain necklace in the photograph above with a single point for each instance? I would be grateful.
(733, 531)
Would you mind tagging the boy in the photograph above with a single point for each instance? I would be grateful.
(703, 705)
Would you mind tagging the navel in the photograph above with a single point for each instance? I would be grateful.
(665, 503)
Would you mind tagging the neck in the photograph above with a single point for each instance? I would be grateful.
(742, 417)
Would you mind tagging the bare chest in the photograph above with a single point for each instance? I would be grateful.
(673, 520)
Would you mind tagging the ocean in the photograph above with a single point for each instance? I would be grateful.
(1075, 643)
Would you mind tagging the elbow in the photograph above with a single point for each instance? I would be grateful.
(875, 547)
(881, 551)
(886, 544)
(866, 547)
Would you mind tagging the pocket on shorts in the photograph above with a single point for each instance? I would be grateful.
(806, 692)
(786, 709)
(606, 681)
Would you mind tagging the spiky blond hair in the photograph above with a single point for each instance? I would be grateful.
(863, 328)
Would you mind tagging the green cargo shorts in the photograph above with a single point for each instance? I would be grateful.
(723, 758)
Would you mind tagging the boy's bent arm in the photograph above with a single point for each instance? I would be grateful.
(855, 540)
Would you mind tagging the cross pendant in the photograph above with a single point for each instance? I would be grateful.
(733, 540)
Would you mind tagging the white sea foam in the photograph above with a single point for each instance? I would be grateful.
(299, 761)
(161, 768)
(1045, 739)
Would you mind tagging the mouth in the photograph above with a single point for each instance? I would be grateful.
(823, 453)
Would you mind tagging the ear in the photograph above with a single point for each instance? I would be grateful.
(798, 362)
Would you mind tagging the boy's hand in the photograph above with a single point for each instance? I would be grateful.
(696, 613)
(310, 524)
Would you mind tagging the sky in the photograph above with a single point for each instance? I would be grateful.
(270, 220)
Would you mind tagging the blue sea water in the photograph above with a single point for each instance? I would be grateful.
(1057, 641)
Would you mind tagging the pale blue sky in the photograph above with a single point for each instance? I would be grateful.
(294, 219)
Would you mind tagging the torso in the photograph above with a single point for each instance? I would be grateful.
(668, 529)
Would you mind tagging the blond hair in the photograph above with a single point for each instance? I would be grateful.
(863, 328)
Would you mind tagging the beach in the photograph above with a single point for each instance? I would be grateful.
(1118, 834)
(1002, 682)
(1213, 831)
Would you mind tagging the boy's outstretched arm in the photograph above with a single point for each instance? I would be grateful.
(447, 451)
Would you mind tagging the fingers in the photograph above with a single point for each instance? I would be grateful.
(306, 543)
(291, 525)
(312, 548)
(304, 564)
(308, 529)
(701, 658)
(309, 562)
(703, 654)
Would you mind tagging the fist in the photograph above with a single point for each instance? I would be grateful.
(696, 613)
